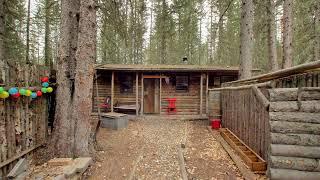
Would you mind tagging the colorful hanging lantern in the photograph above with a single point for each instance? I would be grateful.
(45, 84)
(49, 89)
(39, 93)
(28, 93)
(44, 90)
(44, 79)
(13, 91)
(16, 96)
(22, 92)
(4, 95)
(33, 95)
(1, 90)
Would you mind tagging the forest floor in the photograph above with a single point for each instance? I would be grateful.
(148, 149)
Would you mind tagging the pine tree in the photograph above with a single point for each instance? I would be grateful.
(246, 39)
(287, 34)
(272, 44)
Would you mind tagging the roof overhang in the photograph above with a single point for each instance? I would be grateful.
(165, 68)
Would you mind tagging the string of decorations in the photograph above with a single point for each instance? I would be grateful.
(15, 92)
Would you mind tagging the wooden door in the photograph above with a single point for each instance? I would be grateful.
(149, 96)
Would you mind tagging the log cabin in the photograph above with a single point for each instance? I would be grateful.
(148, 89)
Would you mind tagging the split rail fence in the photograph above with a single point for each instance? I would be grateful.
(23, 121)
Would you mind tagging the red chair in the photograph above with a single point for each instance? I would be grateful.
(171, 105)
(107, 103)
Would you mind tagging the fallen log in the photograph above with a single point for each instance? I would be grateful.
(295, 117)
(295, 139)
(283, 94)
(295, 151)
(284, 106)
(294, 127)
(288, 174)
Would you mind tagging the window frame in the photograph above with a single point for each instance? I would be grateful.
(187, 78)
(126, 80)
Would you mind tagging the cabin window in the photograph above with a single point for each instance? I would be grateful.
(228, 78)
(182, 83)
(126, 83)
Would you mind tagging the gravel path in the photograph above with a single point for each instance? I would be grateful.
(160, 157)
(148, 149)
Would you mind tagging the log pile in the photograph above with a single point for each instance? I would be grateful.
(295, 133)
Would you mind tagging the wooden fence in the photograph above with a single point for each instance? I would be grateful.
(243, 106)
(23, 121)
(245, 115)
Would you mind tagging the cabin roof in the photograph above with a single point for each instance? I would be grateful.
(165, 68)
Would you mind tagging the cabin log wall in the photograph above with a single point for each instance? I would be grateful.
(104, 90)
(188, 103)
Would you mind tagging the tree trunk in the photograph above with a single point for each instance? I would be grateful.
(272, 43)
(47, 44)
(28, 35)
(64, 123)
(75, 77)
(2, 51)
(317, 32)
(246, 39)
(86, 55)
(287, 34)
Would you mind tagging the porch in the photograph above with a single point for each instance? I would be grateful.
(146, 90)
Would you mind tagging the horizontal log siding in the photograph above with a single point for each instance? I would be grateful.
(188, 103)
(245, 116)
(104, 90)
(295, 133)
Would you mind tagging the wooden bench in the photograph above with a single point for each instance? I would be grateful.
(127, 107)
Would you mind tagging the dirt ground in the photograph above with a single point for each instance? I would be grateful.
(148, 149)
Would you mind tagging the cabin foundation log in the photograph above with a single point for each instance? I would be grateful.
(294, 127)
(310, 106)
(296, 163)
(301, 117)
(288, 174)
(283, 94)
(295, 139)
(295, 151)
(284, 106)
(309, 93)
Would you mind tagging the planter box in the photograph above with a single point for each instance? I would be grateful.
(250, 158)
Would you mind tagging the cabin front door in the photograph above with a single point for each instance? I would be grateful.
(151, 96)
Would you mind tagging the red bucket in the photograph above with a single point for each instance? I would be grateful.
(215, 123)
